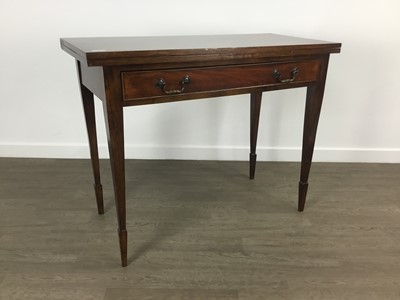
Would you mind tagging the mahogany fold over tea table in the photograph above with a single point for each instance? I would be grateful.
(129, 71)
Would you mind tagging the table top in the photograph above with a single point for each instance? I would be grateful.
(99, 51)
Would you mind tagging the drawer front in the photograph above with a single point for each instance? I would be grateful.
(159, 83)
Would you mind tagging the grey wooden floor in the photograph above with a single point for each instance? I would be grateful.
(200, 230)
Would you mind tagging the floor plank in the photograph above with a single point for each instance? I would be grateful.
(170, 294)
(200, 229)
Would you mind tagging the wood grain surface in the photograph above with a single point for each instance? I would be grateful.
(102, 51)
(200, 230)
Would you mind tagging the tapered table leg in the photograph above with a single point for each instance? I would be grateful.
(113, 113)
(88, 107)
(314, 98)
(255, 106)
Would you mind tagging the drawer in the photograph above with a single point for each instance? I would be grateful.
(159, 83)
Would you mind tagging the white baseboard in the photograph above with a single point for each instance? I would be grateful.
(369, 155)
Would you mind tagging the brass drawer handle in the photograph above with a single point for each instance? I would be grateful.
(294, 73)
(163, 85)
